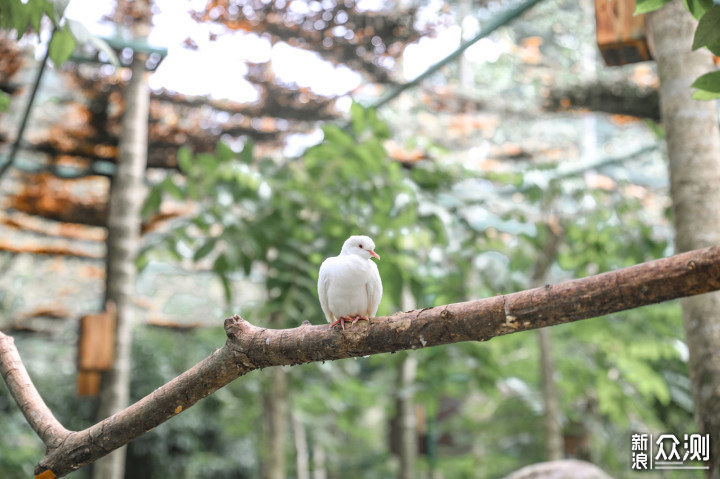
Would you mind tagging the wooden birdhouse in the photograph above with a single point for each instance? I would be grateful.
(96, 349)
(621, 36)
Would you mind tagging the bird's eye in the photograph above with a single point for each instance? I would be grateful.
(359, 246)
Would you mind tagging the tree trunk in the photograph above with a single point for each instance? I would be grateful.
(406, 414)
(126, 199)
(318, 461)
(302, 456)
(407, 421)
(276, 405)
(551, 412)
(693, 142)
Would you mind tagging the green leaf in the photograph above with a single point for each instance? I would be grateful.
(708, 29)
(142, 261)
(205, 249)
(336, 136)
(36, 10)
(247, 263)
(58, 7)
(18, 16)
(703, 95)
(697, 7)
(169, 187)
(62, 45)
(657, 128)
(709, 82)
(357, 117)
(379, 127)
(714, 47)
(223, 152)
(246, 155)
(708, 86)
(85, 37)
(208, 163)
(227, 288)
(221, 267)
(152, 203)
(184, 159)
(4, 101)
(644, 6)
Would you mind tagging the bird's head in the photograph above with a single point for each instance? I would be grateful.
(362, 246)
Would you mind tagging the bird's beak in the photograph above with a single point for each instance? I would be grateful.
(373, 253)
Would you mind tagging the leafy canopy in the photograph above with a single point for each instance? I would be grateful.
(283, 218)
(25, 16)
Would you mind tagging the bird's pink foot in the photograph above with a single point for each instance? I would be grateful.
(358, 318)
(340, 321)
(350, 319)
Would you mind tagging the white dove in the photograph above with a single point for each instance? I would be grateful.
(349, 285)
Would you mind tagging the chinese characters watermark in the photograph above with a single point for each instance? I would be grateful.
(668, 451)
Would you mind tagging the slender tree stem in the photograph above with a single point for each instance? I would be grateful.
(22, 389)
(26, 115)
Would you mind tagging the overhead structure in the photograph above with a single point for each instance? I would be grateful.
(621, 35)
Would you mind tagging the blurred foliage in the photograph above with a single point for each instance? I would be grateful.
(25, 16)
(216, 438)
(445, 235)
(51, 365)
(279, 221)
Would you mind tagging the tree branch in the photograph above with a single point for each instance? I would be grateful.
(250, 347)
(22, 389)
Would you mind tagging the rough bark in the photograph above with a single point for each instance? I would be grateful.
(250, 347)
(22, 389)
(693, 142)
(126, 198)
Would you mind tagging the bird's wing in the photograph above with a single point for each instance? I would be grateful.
(374, 291)
(323, 285)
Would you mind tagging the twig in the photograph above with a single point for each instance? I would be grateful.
(28, 108)
(22, 389)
